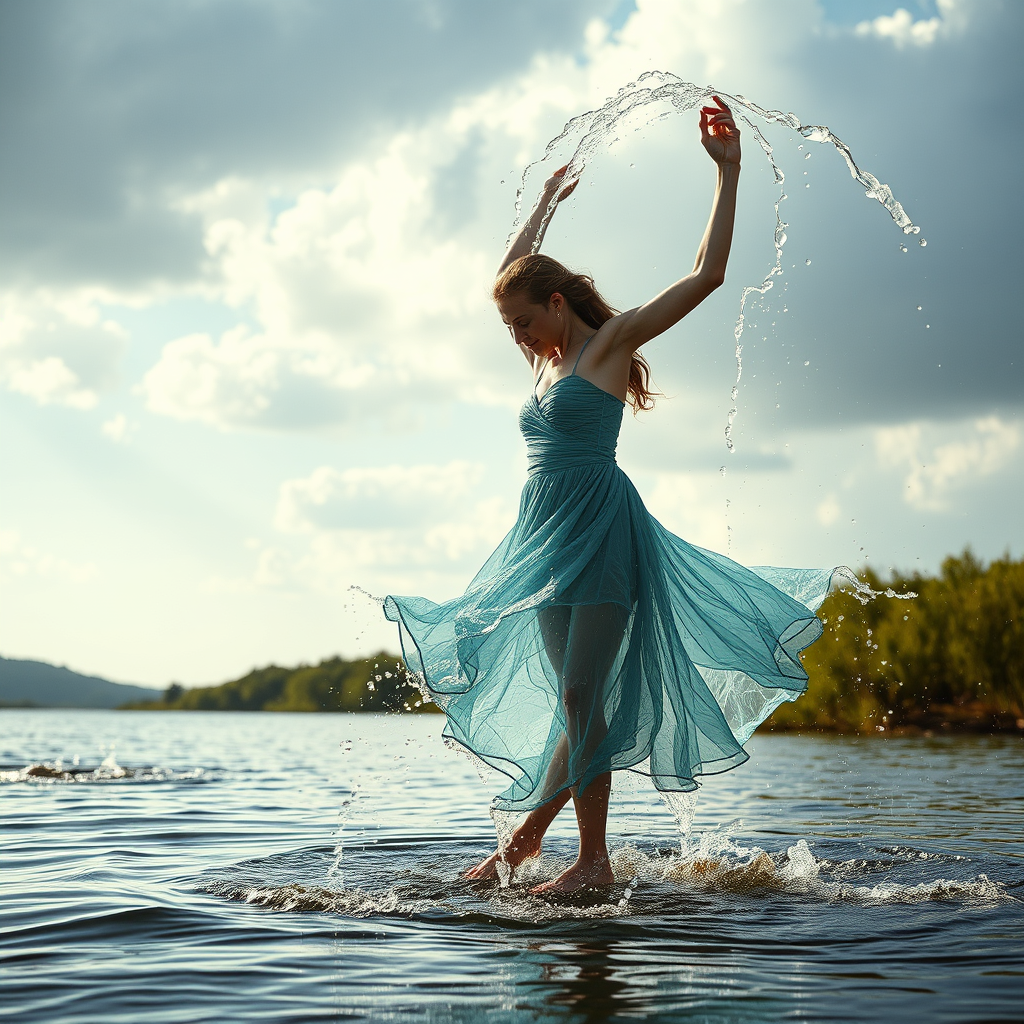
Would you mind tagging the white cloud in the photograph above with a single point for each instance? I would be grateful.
(117, 428)
(392, 529)
(361, 306)
(934, 470)
(57, 348)
(374, 498)
(902, 30)
(19, 558)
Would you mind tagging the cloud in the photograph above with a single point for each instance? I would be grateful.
(391, 529)
(19, 558)
(364, 307)
(118, 428)
(246, 380)
(355, 251)
(902, 30)
(374, 498)
(142, 105)
(935, 470)
(57, 349)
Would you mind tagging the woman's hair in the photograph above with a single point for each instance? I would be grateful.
(539, 277)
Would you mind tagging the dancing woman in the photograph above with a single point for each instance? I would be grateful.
(593, 640)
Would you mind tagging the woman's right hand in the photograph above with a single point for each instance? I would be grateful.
(719, 134)
(554, 185)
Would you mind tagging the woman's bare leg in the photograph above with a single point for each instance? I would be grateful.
(527, 838)
(592, 866)
(596, 636)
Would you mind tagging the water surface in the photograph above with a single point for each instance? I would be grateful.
(194, 876)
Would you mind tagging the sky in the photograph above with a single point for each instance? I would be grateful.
(249, 368)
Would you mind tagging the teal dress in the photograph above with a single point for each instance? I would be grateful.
(595, 640)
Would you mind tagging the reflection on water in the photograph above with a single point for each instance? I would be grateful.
(195, 875)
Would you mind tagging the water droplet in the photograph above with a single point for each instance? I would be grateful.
(807, 362)
(807, 156)
(927, 326)
(799, 147)
(903, 248)
(923, 242)
(502, 181)
(632, 165)
(919, 309)
(807, 262)
(807, 185)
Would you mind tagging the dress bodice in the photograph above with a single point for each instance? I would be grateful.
(574, 423)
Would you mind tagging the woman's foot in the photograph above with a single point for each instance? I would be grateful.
(525, 841)
(584, 874)
(520, 849)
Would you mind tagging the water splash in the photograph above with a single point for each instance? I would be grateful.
(422, 881)
(761, 289)
(844, 578)
(643, 102)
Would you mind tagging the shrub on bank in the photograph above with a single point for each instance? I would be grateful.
(953, 657)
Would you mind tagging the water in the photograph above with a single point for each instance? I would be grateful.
(187, 868)
(654, 96)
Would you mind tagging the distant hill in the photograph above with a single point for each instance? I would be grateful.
(378, 683)
(37, 684)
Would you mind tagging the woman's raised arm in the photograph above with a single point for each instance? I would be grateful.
(531, 233)
(721, 138)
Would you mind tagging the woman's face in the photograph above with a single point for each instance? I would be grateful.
(538, 328)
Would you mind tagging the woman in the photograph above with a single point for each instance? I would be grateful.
(593, 639)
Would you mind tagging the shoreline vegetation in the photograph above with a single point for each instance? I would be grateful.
(949, 660)
(378, 683)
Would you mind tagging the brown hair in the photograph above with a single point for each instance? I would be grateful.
(539, 277)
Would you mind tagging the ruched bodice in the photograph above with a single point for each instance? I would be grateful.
(592, 629)
(574, 423)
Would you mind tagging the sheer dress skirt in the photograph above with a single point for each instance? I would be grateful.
(594, 640)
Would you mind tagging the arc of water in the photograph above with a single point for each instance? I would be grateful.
(593, 128)
(653, 87)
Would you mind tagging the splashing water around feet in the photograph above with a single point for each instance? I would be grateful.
(654, 96)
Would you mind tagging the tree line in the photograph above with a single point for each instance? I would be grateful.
(378, 683)
(950, 658)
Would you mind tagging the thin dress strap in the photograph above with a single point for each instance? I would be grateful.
(580, 356)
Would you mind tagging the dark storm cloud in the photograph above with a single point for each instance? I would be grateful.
(950, 120)
(111, 108)
(942, 124)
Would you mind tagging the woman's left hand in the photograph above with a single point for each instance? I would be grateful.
(719, 134)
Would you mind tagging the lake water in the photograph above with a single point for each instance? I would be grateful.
(194, 877)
